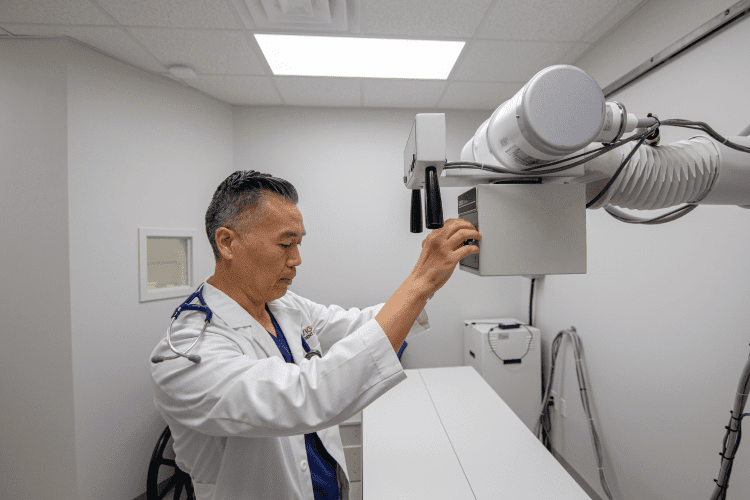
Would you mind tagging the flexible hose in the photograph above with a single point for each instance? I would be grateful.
(656, 177)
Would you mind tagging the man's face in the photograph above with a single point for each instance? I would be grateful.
(267, 252)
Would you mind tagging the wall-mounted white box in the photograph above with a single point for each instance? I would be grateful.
(527, 229)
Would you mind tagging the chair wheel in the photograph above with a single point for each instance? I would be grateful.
(163, 473)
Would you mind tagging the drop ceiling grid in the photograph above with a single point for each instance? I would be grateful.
(507, 61)
(52, 12)
(204, 14)
(477, 95)
(206, 51)
(319, 92)
(508, 41)
(402, 93)
(541, 20)
(442, 19)
(239, 90)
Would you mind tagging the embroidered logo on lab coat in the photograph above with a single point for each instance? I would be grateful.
(307, 333)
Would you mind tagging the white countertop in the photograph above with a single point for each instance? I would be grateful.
(443, 433)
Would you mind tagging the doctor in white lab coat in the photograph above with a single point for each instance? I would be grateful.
(256, 419)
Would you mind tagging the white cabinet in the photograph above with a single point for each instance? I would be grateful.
(509, 360)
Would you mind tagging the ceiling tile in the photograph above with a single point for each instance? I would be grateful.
(313, 91)
(172, 13)
(487, 60)
(206, 51)
(476, 95)
(402, 93)
(51, 12)
(623, 9)
(238, 90)
(567, 20)
(420, 18)
(574, 52)
(112, 41)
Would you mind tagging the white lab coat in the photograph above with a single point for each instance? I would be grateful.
(238, 417)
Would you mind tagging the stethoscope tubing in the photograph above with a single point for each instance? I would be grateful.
(194, 357)
(203, 308)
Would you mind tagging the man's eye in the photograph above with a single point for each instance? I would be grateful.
(287, 246)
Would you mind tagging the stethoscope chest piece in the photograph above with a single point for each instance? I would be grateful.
(311, 354)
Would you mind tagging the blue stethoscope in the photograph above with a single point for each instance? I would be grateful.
(187, 306)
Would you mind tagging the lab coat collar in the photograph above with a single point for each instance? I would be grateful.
(226, 308)
(237, 318)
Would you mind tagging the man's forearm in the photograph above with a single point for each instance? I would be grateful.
(400, 312)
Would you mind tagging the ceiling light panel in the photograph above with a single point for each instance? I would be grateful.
(359, 57)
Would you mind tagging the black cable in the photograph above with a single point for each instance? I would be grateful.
(531, 303)
(544, 417)
(706, 128)
(545, 169)
(684, 210)
(661, 219)
(617, 173)
(505, 170)
(730, 460)
(595, 152)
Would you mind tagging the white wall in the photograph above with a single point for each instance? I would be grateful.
(112, 148)
(36, 377)
(143, 151)
(663, 311)
(347, 166)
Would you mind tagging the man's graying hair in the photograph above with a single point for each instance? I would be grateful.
(243, 190)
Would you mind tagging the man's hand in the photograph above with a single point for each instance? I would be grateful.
(441, 251)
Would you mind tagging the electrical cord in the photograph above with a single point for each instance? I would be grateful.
(734, 433)
(531, 303)
(529, 341)
(686, 208)
(543, 421)
(683, 210)
(707, 129)
(661, 219)
(590, 156)
(617, 173)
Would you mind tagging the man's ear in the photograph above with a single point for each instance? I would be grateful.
(224, 238)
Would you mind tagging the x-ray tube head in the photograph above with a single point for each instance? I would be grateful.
(559, 111)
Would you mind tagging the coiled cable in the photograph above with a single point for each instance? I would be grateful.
(544, 417)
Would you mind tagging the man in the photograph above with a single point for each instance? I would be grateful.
(257, 417)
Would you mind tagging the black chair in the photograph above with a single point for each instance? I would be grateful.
(163, 473)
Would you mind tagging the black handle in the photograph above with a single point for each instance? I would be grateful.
(416, 211)
(433, 203)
